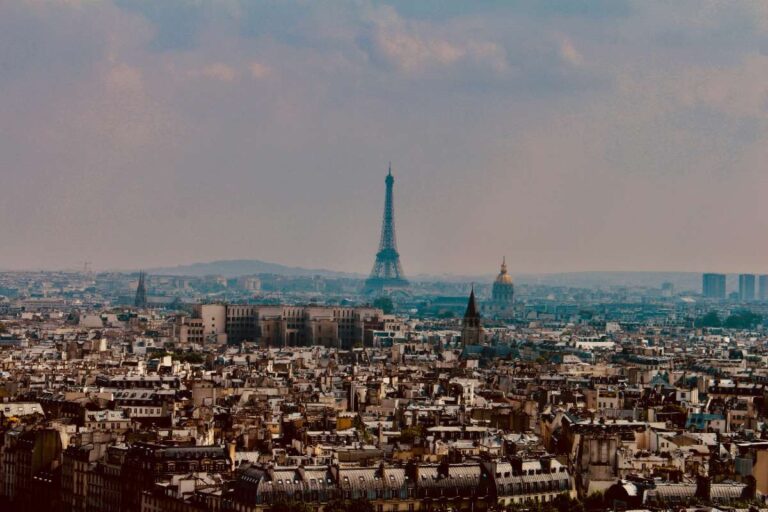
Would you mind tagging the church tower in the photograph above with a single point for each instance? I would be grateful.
(471, 330)
(141, 292)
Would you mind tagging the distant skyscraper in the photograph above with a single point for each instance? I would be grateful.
(471, 330)
(387, 271)
(713, 286)
(141, 292)
(762, 284)
(746, 287)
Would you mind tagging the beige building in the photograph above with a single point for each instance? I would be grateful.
(214, 317)
(752, 460)
(277, 326)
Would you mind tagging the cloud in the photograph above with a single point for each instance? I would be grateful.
(570, 54)
(219, 71)
(415, 46)
(267, 126)
(125, 79)
(739, 90)
(259, 71)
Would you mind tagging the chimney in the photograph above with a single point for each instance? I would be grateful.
(444, 468)
(231, 451)
(750, 490)
(703, 487)
(412, 471)
(517, 465)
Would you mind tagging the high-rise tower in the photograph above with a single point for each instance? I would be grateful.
(746, 287)
(762, 285)
(713, 286)
(387, 271)
(141, 292)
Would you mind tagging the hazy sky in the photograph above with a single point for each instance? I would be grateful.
(566, 135)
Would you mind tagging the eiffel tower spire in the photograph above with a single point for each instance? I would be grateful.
(387, 271)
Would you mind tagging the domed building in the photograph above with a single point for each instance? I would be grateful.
(503, 294)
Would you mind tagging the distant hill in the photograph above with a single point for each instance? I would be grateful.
(236, 268)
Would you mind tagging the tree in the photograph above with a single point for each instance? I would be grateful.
(564, 503)
(190, 357)
(337, 505)
(408, 434)
(3, 328)
(742, 319)
(385, 304)
(360, 505)
(711, 319)
(291, 506)
(360, 426)
(594, 501)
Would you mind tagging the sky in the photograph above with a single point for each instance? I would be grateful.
(565, 135)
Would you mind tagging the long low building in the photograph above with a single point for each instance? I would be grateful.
(280, 326)
(413, 486)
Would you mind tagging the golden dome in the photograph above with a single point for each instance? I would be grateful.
(504, 277)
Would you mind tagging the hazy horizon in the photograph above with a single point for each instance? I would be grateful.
(612, 135)
(362, 275)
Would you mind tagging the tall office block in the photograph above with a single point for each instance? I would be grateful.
(713, 286)
(746, 287)
(762, 286)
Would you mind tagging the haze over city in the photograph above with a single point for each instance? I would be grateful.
(568, 136)
(383, 256)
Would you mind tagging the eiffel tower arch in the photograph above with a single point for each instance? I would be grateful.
(387, 271)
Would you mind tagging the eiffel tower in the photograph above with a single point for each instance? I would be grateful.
(387, 271)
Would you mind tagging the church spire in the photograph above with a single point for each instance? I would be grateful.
(141, 292)
(471, 330)
(471, 312)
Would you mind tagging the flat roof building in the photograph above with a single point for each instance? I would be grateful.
(713, 286)
(746, 287)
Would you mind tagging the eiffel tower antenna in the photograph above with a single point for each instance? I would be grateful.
(387, 271)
